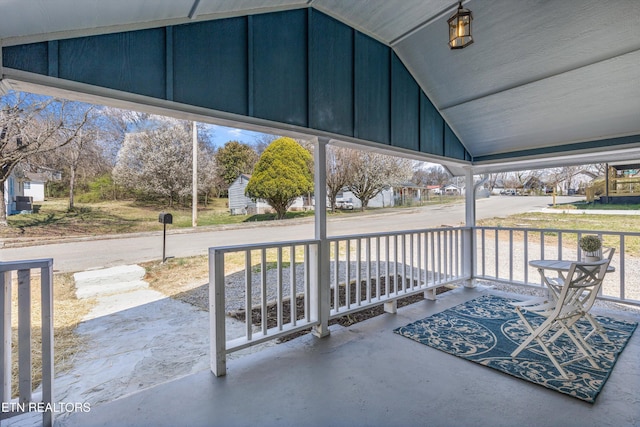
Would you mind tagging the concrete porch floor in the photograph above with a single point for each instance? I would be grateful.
(366, 375)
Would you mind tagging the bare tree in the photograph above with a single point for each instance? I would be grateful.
(338, 172)
(262, 142)
(371, 172)
(494, 180)
(31, 124)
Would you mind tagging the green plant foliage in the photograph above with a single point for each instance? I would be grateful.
(99, 189)
(590, 243)
(234, 159)
(282, 174)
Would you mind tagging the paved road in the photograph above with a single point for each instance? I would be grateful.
(107, 251)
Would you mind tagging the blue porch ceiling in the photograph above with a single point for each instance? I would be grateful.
(545, 82)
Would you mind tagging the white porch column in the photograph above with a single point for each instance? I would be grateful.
(320, 256)
(469, 242)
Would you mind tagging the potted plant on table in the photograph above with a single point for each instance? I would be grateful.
(590, 245)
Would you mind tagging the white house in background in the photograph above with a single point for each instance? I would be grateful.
(453, 190)
(239, 204)
(23, 187)
(34, 184)
(384, 199)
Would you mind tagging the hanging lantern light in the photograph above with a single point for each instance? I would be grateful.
(460, 28)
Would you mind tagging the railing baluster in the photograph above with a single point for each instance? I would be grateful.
(293, 286)
(336, 276)
(484, 252)
(347, 279)
(358, 271)
(368, 264)
(497, 256)
(24, 335)
(403, 254)
(511, 250)
(560, 234)
(456, 252)
(263, 291)
(440, 254)
(248, 303)
(388, 266)
(307, 284)
(526, 256)
(395, 265)
(622, 268)
(433, 258)
(378, 288)
(279, 296)
(450, 234)
(419, 259)
(425, 243)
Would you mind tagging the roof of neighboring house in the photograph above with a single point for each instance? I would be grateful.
(242, 175)
(37, 176)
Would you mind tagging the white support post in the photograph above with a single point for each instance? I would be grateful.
(218, 339)
(194, 180)
(320, 268)
(5, 330)
(24, 336)
(46, 294)
(469, 246)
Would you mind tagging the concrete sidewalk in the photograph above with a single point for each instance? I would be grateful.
(133, 338)
(590, 211)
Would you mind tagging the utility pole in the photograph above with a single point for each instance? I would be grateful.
(194, 198)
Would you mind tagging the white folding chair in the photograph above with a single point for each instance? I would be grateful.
(577, 293)
(586, 299)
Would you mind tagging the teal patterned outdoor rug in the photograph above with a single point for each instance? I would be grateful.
(487, 329)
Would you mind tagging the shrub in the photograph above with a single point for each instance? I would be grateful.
(590, 243)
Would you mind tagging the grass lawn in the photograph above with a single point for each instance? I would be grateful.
(52, 219)
(571, 221)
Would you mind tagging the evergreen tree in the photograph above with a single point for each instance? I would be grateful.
(282, 174)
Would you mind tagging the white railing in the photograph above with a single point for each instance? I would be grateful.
(264, 279)
(503, 255)
(26, 400)
(388, 266)
(265, 283)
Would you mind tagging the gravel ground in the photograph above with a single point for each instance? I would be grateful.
(235, 293)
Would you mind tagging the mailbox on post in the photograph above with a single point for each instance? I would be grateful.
(164, 219)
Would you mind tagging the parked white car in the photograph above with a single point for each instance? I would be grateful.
(346, 204)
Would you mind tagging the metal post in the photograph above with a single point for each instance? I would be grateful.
(164, 242)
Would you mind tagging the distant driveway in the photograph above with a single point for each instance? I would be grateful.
(108, 251)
